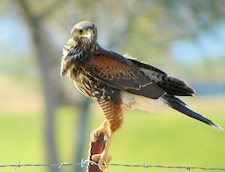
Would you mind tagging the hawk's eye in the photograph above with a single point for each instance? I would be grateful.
(80, 31)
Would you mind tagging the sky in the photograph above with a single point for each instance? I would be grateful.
(208, 44)
(13, 34)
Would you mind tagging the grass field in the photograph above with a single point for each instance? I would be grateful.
(166, 138)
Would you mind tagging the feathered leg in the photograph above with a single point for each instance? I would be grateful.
(113, 122)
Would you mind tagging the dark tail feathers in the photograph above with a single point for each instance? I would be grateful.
(180, 106)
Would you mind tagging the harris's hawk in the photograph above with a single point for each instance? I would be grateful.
(116, 81)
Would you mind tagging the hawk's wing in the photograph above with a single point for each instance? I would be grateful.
(120, 73)
(171, 85)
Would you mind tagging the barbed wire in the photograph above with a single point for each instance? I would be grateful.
(84, 163)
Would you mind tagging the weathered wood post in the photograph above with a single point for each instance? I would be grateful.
(96, 148)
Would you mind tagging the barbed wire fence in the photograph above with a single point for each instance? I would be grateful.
(86, 163)
(92, 166)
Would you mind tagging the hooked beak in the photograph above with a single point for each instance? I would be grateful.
(89, 36)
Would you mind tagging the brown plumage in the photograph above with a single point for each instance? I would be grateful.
(115, 81)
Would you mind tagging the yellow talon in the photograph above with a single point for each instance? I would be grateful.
(103, 160)
(104, 128)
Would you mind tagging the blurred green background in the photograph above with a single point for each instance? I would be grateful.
(44, 119)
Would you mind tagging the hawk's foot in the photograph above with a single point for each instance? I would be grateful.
(95, 135)
(104, 129)
(103, 160)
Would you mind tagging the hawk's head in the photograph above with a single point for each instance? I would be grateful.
(84, 32)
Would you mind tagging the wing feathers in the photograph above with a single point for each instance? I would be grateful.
(174, 86)
(150, 91)
(171, 85)
(118, 72)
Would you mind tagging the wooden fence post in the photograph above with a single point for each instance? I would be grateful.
(96, 148)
